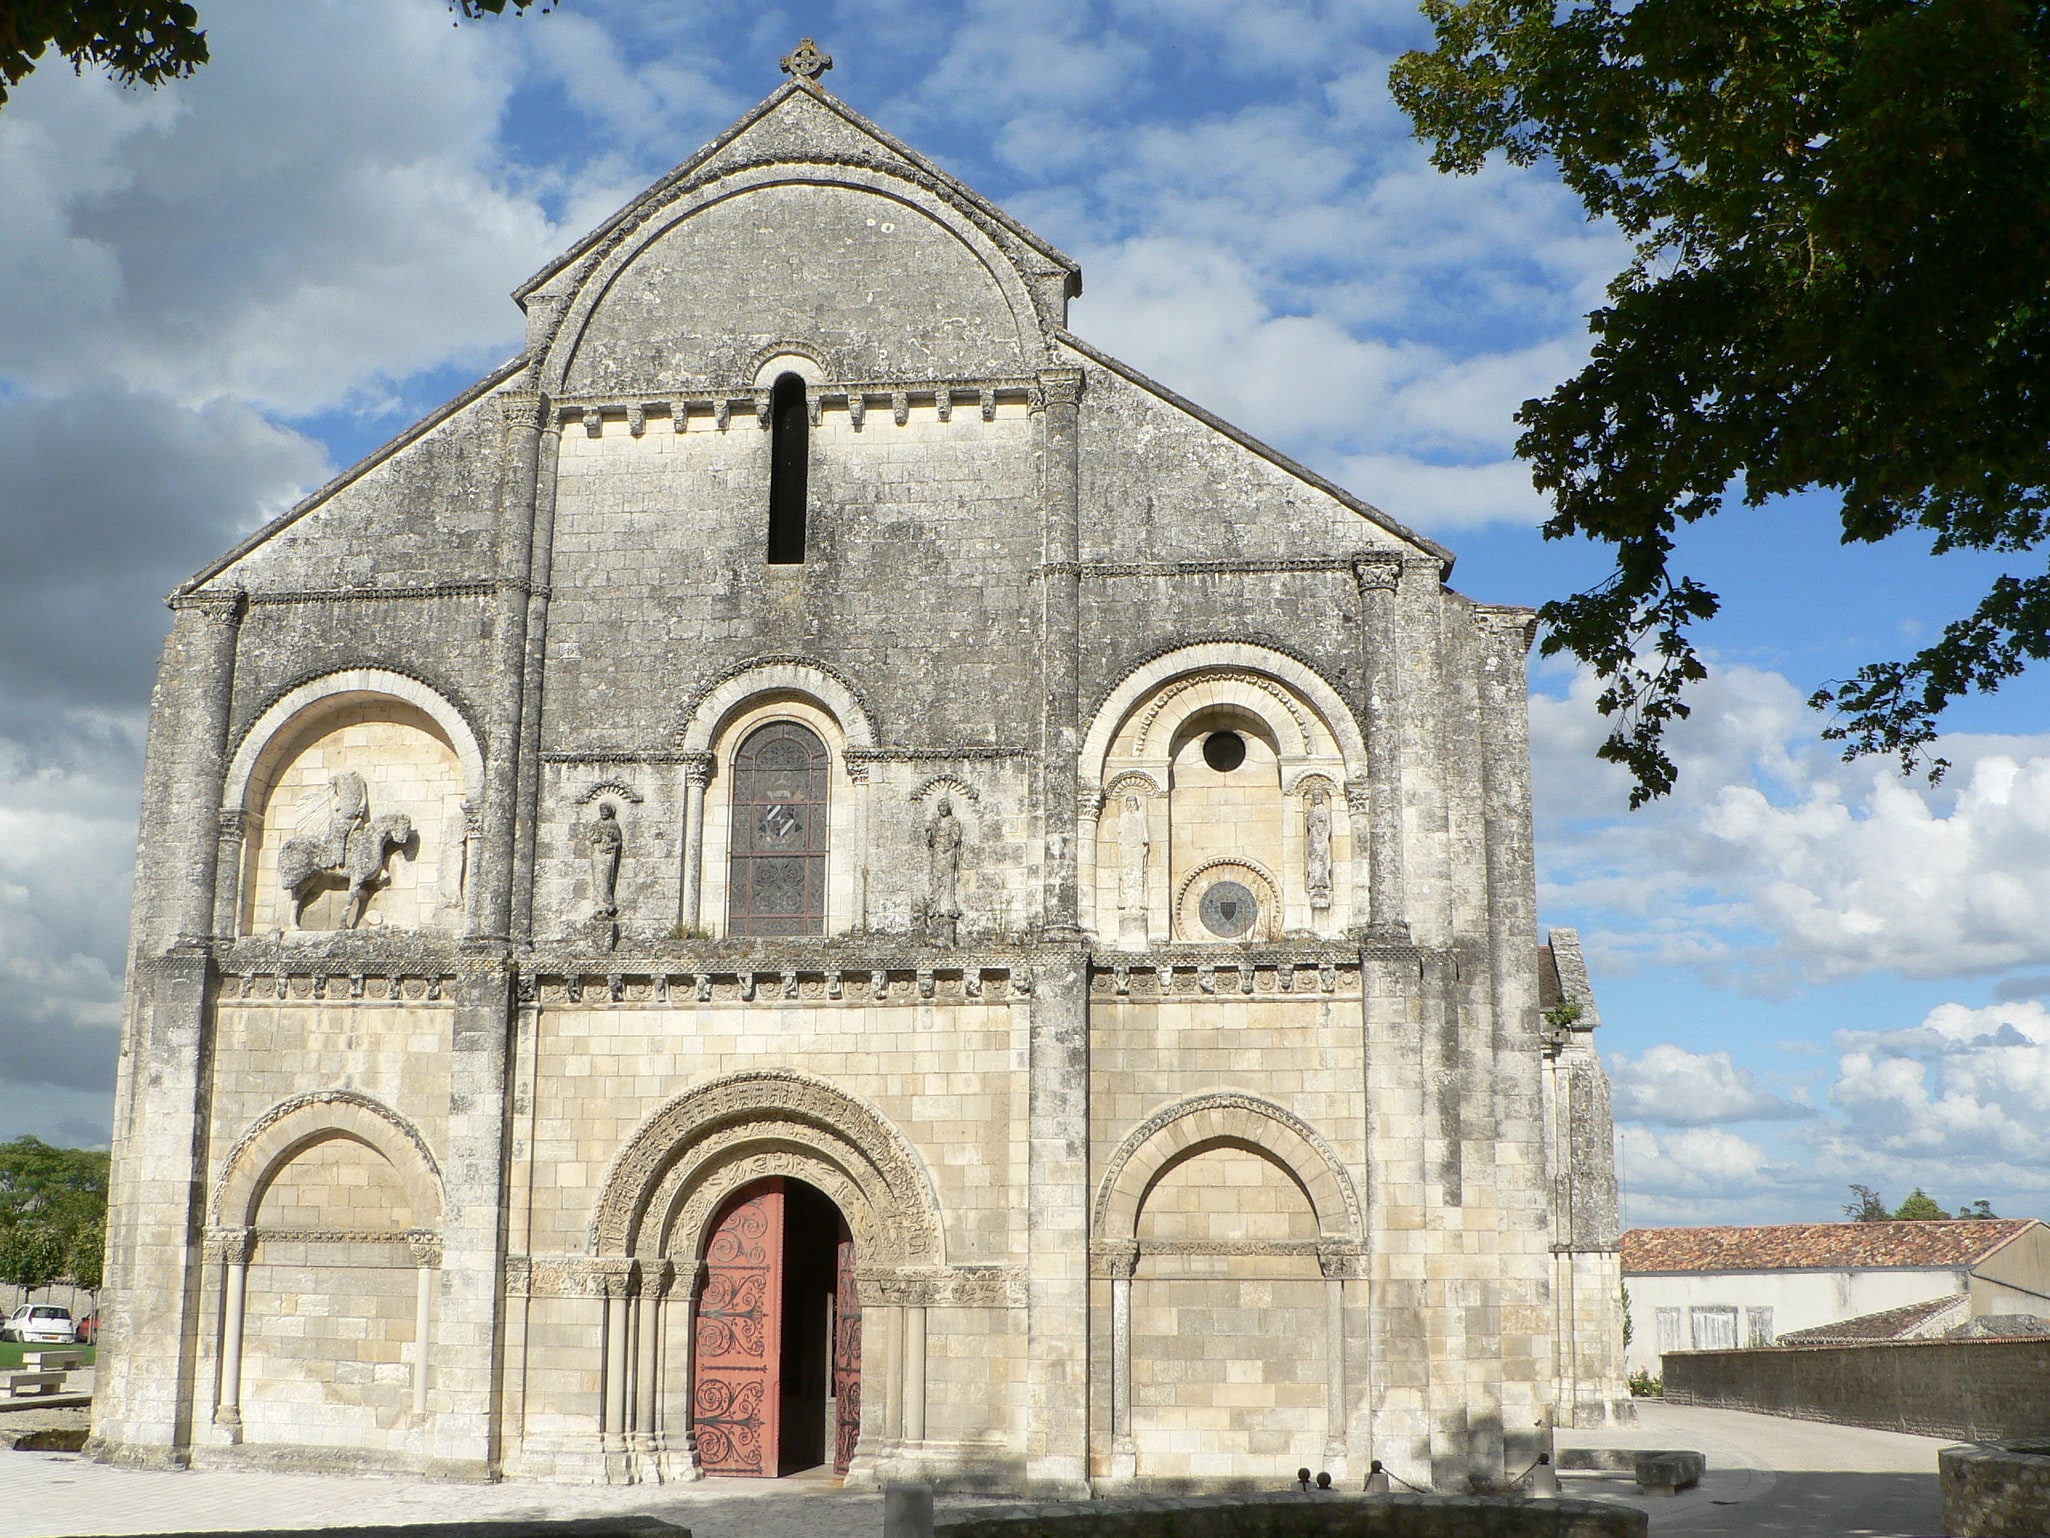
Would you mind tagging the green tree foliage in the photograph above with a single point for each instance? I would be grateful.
(1841, 214)
(1978, 1209)
(31, 1253)
(1866, 1206)
(1920, 1207)
(53, 1213)
(135, 41)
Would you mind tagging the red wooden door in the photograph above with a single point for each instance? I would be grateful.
(846, 1356)
(738, 1360)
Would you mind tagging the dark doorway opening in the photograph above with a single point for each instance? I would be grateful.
(777, 1365)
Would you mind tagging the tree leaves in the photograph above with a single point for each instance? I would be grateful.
(1841, 210)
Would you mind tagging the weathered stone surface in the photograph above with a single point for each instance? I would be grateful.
(1996, 1489)
(1157, 991)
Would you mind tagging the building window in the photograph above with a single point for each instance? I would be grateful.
(789, 462)
(1715, 1329)
(776, 882)
(1758, 1327)
(1670, 1338)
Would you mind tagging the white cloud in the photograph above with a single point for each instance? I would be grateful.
(1776, 857)
(1669, 1086)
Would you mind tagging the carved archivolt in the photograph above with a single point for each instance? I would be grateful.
(1307, 692)
(332, 690)
(1188, 1127)
(668, 1181)
(1312, 780)
(769, 677)
(1239, 678)
(618, 788)
(948, 783)
(293, 1125)
(1130, 782)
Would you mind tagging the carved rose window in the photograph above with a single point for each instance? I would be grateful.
(777, 882)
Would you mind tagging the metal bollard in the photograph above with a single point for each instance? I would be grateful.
(1377, 1479)
(907, 1511)
(1544, 1479)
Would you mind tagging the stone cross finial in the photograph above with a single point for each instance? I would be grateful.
(807, 62)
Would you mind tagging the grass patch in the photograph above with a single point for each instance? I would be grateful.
(11, 1350)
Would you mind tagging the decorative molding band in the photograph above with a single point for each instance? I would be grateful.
(1109, 569)
(1224, 976)
(950, 1286)
(606, 756)
(419, 1241)
(1118, 1259)
(477, 589)
(904, 980)
(281, 982)
(716, 410)
(965, 754)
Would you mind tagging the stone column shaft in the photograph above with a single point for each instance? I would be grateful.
(1057, 1284)
(494, 882)
(695, 777)
(233, 1310)
(541, 564)
(1060, 639)
(1379, 579)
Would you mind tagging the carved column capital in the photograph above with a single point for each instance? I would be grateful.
(1116, 1259)
(234, 824)
(426, 1247)
(697, 769)
(1377, 571)
(1061, 386)
(221, 606)
(229, 1246)
(523, 409)
(1359, 796)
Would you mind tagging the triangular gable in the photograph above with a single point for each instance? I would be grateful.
(1266, 451)
(799, 121)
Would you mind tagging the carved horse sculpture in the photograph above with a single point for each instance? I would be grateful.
(354, 849)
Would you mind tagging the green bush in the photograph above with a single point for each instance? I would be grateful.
(1644, 1386)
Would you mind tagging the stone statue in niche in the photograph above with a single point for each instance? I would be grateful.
(1134, 841)
(943, 871)
(1317, 849)
(605, 841)
(352, 853)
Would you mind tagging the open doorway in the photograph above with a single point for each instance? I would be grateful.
(777, 1365)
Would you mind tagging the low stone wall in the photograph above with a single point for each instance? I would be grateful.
(1293, 1515)
(1973, 1390)
(1996, 1489)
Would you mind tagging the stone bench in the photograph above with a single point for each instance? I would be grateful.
(52, 1361)
(1657, 1472)
(1668, 1473)
(20, 1384)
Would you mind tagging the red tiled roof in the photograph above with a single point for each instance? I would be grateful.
(1821, 1246)
(1887, 1324)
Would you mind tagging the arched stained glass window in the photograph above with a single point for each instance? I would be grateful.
(777, 873)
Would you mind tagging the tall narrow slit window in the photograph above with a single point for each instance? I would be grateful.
(789, 463)
(776, 882)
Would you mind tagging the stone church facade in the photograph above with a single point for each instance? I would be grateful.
(816, 872)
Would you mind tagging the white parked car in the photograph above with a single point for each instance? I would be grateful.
(40, 1324)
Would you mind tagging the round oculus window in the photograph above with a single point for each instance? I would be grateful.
(1229, 909)
(1224, 751)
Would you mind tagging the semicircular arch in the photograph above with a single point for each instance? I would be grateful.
(707, 715)
(330, 691)
(291, 1126)
(560, 362)
(1301, 689)
(668, 1178)
(1179, 1131)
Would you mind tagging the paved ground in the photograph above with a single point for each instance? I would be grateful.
(1776, 1477)
(1780, 1478)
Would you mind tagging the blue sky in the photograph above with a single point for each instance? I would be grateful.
(214, 295)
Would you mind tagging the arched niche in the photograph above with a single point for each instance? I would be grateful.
(1241, 818)
(352, 796)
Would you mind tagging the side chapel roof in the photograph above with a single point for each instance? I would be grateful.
(1819, 1246)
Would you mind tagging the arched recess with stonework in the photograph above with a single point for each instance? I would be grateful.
(666, 1184)
(1188, 1128)
(366, 772)
(1225, 1231)
(325, 1228)
(1224, 765)
(712, 729)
